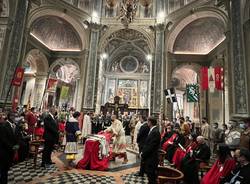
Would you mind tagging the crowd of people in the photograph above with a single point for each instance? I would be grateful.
(187, 147)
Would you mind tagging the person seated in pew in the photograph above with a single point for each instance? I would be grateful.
(168, 133)
(190, 164)
(172, 143)
(241, 173)
(181, 152)
(221, 168)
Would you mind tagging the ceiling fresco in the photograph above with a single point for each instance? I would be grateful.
(56, 34)
(200, 36)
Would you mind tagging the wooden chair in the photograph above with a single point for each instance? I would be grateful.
(35, 148)
(162, 155)
(169, 175)
(204, 168)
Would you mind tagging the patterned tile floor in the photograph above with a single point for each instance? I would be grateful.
(25, 172)
(75, 178)
(132, 179)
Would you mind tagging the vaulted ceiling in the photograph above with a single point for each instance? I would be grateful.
(56, 34)
(200, 36)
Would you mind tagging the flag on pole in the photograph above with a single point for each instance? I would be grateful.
(64, 93)
(170, 95)
(18, 77)
(204, 78)
(51, 86)
(218, 72)
(211, 78)
(192, 92)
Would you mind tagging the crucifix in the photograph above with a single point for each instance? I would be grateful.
(116, 106)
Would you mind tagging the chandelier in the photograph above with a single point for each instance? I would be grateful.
(128, 11)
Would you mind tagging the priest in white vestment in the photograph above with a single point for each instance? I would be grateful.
(86, 127)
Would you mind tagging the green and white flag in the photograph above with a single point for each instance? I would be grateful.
(192, 92)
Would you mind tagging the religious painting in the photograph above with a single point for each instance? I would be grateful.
(128, 92)
(143, 94)
(111, 90)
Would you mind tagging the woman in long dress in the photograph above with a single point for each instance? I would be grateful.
(119, 139)
(72, 133)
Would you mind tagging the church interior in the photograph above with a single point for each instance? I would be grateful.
(166, 59)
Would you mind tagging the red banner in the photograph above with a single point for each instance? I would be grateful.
(18, 78)
(218, 73)
(52, 83)
(204, 78)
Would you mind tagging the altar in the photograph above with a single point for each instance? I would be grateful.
(90, 156)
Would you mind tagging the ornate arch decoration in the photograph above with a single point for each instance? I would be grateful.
(4, 5)
(38, 62)
(109, 34)
(51, 11)
(65, 65)
(136, 55)
(197, 14)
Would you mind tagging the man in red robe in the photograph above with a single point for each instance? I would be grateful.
(31, 118)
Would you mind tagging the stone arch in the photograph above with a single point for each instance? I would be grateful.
(198, 14)
(184, 75)
(61, 62)
(105, 38)
(193, 66)
(51, 11)
(38, 61)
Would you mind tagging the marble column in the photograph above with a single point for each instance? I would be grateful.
(158, 68)
(90, 92)
(238, 65)
(39, 90)
(15, 44)
(101, 84)
(82, 80)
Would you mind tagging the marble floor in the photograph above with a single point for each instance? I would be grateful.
(117, 173)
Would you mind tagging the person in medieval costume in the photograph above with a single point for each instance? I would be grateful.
(190, 164)
(221, 168)
(86, 127)
(119, 140)
(72, 134)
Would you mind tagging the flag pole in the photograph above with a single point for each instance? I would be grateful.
(178, 108)
(223, 91)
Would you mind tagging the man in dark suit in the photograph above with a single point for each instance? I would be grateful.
(50, 136)
(150, 151)
(8, 146)
(141, 138)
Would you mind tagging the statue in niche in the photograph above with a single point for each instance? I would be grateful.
(145, 68)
